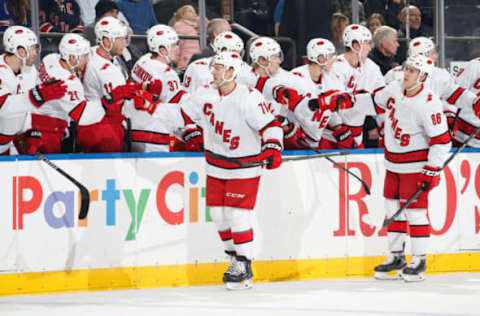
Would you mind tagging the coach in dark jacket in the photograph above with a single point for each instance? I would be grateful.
(386, 46)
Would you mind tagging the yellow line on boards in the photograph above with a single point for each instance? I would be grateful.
(211, 273)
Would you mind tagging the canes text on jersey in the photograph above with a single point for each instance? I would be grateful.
(218, 126)
(397, 131)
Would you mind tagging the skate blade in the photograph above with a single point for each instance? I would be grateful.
(235, 286)
(414, 277)
(395, 275)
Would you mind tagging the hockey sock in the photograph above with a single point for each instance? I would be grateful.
(397, 230)
(242, 231)
(419, 230)
(217, 213)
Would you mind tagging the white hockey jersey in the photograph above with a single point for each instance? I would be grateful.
(416, 132)
(366, 77)
(469, 78)
(146, 69)
(199, 74)
(315, 124)
(15, 106)
(73, 105)
(232, 125)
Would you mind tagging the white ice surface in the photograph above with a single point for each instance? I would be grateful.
(446, 294)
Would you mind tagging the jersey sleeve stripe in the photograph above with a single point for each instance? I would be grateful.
(177, 97)
(272, 123)
(150, 137)
(466, 127)
(440, 139)
(5, 139)
(454, 97)
(261, 83)
(407, 157)
(187, 120)
(3, 98)
(77, 111)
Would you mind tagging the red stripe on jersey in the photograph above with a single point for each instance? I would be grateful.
(46, 27)
(306, 135)
(378, 109)
(397, 227)
(420, 230)
(177, 96)
(220, 163)
(186, 119)
(3, 98)
(77, 111)
(273, 123)
(441, 139)
(412, 156)
(150, 137)
(466, 127)
(454, 97)
(242, 237)
(294, 105)
(225, 235)
(5, 139)
(261, 83)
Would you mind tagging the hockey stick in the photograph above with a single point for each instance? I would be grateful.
(424, 187)
(245, 164)
(365, 186)
(84, 194)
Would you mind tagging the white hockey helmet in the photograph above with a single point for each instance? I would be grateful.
(424, 64)
(229, 60)
(420, 46)
(73, 45)
(264, 47)
(18, 36)
(319, 47)
(110, 28)
(161, 35)
(356, 33)
(228, 41)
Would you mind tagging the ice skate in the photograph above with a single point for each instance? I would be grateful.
(233, 261)
(414, 271)
(395, 263)
(240, 278)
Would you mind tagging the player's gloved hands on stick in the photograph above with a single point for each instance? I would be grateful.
(344, 138)
(429, 178)
(50, 90)
(272, 153)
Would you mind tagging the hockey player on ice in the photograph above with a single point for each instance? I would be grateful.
(235, 123)
(417, 143)
(453, 95)
(19, 94)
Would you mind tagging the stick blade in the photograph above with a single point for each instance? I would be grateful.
(85, 203)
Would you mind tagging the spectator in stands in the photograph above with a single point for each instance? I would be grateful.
(14, 12)
(389, 9)
(375, 21)
(215, 27)
(186, 22)
(386, 46)
(277, 16)
(416, 29)
(345, 7)
(338, 24)
(139, 14)
(87, 11)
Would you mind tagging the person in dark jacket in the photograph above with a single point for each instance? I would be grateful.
(386, 46)
(215, 27)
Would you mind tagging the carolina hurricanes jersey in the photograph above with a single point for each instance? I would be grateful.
(147, 68)
(199, 74)
(469, 78)
(73, 105)
(313, 125)
(101, 76)
(15, 106)
(366, 77)
(232, 125)
(416, 132)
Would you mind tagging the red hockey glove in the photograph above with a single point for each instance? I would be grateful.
(193, 138)
(476, 107)
(342, 101)
(155, 87)
(144, 101)
(271, 152)
(344, 138)
(287, 96)
(127, 91)
(50, 90)
(429, 178)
